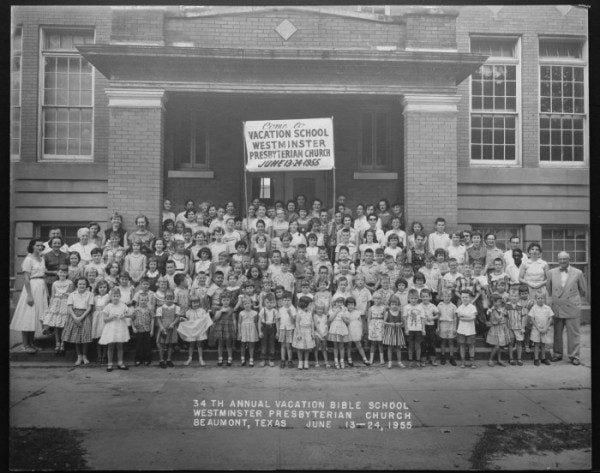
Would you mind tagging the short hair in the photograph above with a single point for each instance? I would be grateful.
(96, 251)
(401, 281)
(413, 293)
(124, 274)
(440, 251)
(420, 276)
(169, 261)
(63, 267)
(534, 245)
(115, 291)
(466, 291)
(379, 251)
(524, 288)
(395, 299)
(303, 302)
(187, 230)
(368, 251)
(241, 243)
(71, 253)
(425, 291)
(311, 236)
(217, 273)
(344, 247)
(287, 295)
(499, 260)
(440, 219)
(350, 300)
(178, 278)
(474, 234)
(270, 297)
(32, 243)
(205, 250)
(81, 278)
(496, 297)
(452, 260)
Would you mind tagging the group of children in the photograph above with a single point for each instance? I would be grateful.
(248, 284)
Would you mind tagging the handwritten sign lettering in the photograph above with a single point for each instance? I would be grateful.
(289, 145)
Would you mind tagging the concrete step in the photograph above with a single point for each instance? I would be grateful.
(210, 354)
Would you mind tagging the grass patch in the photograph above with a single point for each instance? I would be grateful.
(46, 449)
(529, 439)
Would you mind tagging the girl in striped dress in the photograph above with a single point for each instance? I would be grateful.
(393, 335)
(78, 327)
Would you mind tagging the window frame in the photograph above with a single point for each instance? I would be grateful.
(192, 164)
(566, 61)
(498, 60)
(16, 157)
(387, 166)
(485, 228)
(43, 31)
(37, 229)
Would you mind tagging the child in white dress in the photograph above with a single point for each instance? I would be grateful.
(194, 329)
(101, 299)
(321, 333)
(304, 337)
(542, 332)
(247, 321)
(338, 330)
(355, 331)
(115, 331)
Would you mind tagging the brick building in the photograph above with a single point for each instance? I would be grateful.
(475, 113)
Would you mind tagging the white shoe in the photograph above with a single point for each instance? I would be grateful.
(188, 361)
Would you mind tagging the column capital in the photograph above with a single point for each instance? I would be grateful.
(429, 103)
(136, 98)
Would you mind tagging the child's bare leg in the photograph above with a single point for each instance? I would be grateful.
(493, 352)
(200, 357)
(372, 352)
(229, 347)
(109, 357)
(161, 351)
(380, 347)
(499, 355)
(542, 351)
(472, 353)
(282, 350)
(306, 354)
(169, 351)
(57, 337)
(324, 350)
(451, 348)
(348, 348)
(317, 353)
(536, 351)
(360, 350)
(120, 354)
(389, 353)
(289, 351)
(411, 347)
(398, 355)
(461, 347)
(341, 346)
(251, 350)
(418, 350)
(519, 350)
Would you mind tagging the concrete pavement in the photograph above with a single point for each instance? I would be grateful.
(144, 418)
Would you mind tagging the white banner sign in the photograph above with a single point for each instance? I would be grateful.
(289, 145)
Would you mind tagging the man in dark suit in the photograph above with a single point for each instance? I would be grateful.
(566, 285)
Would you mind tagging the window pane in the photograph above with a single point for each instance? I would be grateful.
(381, 146)
(367, 139)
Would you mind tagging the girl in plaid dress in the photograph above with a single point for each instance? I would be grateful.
(498, 334)
(224, 328)
(57, 313)
(78, 327)
(392, 331)
(167, 318)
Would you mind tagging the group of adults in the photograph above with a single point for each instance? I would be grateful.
(565, 284)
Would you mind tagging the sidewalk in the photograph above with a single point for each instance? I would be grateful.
(144, 418)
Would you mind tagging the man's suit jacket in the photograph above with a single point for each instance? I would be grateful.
(566, 300)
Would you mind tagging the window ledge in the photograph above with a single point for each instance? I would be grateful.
(565, 164)
(495, 164)
(189, 174)
(374, 175)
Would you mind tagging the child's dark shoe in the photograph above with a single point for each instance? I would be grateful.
(536, 362)
(452, 361)
(170, 364)
(162, 364)
(546, 361)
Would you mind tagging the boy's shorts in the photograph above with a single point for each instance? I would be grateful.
(415, 336)
(467, 339)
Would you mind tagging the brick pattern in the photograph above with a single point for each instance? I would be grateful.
(137, 25)
(257, 30)
(430, 31)
(135, 177)
(430, 171)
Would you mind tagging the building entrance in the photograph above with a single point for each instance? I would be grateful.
(285, 186)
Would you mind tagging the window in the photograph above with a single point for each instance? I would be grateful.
(572, 240)
(191, 140)
(562, 102)
(265, 188)
(67, 96)
(495, 102)
(15, 93)
(502, 233)
(68, 230)
(375, 146)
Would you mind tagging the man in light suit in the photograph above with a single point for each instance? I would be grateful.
(566, 285)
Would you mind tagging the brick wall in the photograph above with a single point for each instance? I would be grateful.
(430, 167)
(430, 31)
(257, 30)
(135, 180)
(137, 25)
